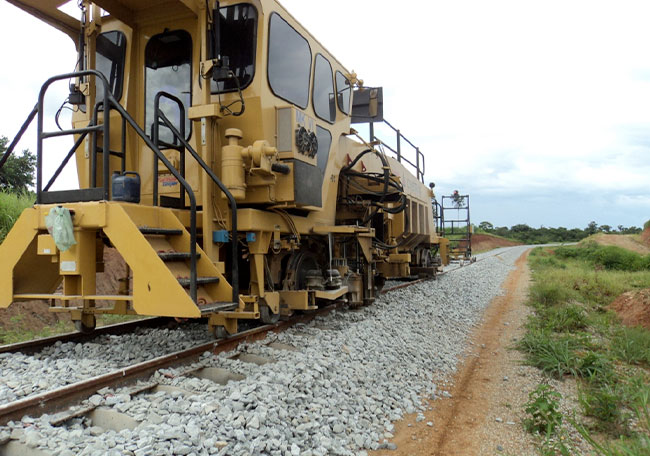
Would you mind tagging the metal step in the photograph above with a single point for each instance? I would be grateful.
(218, 307)
(159, 231)
(185, 282)
(176, 256)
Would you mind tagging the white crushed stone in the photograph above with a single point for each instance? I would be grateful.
(64, 363)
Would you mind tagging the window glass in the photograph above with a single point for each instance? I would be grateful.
(168, 68)
(324, 143)
(323, 97)
(238, 40)
(343, 92)
(289, 62)
(109, 60)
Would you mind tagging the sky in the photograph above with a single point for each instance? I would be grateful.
(539, 110)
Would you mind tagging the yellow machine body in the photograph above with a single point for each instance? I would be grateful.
(313, 224)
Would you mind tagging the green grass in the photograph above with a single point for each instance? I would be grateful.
(21, 334)
(12, 336)
(11, 206)
(608, 257)
(572, 334)
(631, 345)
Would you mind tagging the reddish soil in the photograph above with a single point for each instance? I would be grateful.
(34, 315)
(645, 237)
(631, 242)
(464, 424)
(485, 242)
(633, 308)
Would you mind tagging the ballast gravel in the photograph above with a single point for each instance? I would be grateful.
(64, 363)
(355, 372)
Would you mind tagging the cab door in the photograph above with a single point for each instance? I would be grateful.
(168, 68)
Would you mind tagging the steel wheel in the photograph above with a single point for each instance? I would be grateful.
(267, 316)
(82, 328)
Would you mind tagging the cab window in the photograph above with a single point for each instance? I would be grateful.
(289, 66)
(110, 51)
(343, 92)
(168, 68)
(323, 97)
(238, 25)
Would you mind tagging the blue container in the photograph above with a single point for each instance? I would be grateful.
(126, 186)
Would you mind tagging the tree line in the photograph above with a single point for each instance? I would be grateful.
(17, 174)
(543, 235)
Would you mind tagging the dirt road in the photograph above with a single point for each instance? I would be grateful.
(483, 414)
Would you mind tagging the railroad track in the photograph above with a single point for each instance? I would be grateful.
(32, 346)
(60, 398)
(58, 401)
(95, 397)
(483, 257)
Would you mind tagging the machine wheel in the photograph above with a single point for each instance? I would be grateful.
(219, 332)
(82, 328)
(297, 268)
(379, 284)
(267, 316)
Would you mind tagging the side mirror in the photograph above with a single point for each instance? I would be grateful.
(368, 105)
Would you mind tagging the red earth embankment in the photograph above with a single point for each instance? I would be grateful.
(484, 242)
(34, 315)
(633, 308)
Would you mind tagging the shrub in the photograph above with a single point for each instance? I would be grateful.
(616, 258)
(543, 410)
(602, 403)
(567, 252)
(644, 263)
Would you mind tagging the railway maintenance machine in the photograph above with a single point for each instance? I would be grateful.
(214, 152)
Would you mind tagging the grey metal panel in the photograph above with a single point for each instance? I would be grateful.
(308, 184)
(368, 105)
(73, 196)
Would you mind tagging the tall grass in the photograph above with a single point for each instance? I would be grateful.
(11, 206)
(608, 257)
(573, 334)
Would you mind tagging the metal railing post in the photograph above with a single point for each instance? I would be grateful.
(19, 135)
(106, 153)
(399, 146)
(231, 200)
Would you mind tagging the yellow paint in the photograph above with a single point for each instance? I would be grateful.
(241, 151)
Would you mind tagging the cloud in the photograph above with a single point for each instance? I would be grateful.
(541, 110)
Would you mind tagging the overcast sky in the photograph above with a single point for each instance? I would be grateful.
(540, 110)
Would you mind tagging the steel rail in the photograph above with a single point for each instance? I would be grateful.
(427, 279)
(61, 398)
(32, 346)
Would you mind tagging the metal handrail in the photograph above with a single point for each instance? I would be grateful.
(419, 165)
(180, 135)
(109, 102)
(41, 135)
(22, 130)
